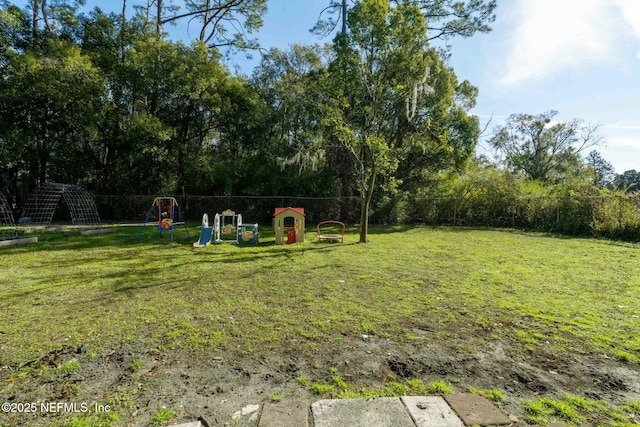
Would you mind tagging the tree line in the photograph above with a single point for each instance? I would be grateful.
(109, 102)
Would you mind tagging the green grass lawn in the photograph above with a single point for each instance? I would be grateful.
(467, 287)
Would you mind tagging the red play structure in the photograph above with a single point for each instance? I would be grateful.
(326, 228)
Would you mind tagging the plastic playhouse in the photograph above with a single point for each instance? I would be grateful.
(291, 221)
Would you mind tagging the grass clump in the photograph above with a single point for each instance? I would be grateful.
(320, 389)
(439, 387)
(336, 386)
(417, 386)
(632, 407)
(162, 417)
(625, 356)
(69, 368)
(578, 410)
(493, 394)
(276, 397)
(136, 365)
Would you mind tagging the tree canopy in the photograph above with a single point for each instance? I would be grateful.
(540, 148)
(390, 94)
(445, 18)
(375, 119)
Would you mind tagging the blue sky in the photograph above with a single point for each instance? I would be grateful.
(579, 57)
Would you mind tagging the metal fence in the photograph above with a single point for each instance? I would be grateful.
(253, 208)
(616, 216)
(609, 215)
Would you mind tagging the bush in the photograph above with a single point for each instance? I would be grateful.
(489, 197)
(618, 217)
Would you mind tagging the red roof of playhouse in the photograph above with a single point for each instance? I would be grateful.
(281, 210)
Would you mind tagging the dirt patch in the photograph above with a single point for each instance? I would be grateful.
(140, 382)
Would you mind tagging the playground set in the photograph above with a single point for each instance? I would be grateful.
(168, 220)
(288, 224)
(7, 223)
(227, 228)
(41, 206)
(8, 229)
(44, 200)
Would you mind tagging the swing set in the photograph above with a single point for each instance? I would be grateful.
(225, 227)
(167, 220)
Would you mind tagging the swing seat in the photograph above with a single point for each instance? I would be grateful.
(165, 225)
(330, 226)
(167, 221)
(228, 229)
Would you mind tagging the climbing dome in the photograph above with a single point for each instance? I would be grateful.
(7, 223)
(44, 200)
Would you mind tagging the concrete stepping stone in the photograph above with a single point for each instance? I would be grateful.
(247, 416)
(475, 409)
(285, 414)
(14, 242)
(379, 412)
(431, 411)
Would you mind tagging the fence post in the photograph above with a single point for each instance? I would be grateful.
(455, 212)
(619, 210)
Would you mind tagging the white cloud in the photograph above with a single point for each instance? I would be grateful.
(552, 36)
(630, 10)
(622, 126)
(623, 152)
(625, 141)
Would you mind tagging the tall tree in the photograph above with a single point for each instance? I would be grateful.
(14, 28)
(452, 18)
(541, 149)
(382, 90)
(602, 171)
(289, 82)
(49, 104)
(53, 19)
(445, 18)
(223, 23)
(628, 180)
(326, 23)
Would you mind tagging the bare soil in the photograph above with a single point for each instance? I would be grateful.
(212, 387)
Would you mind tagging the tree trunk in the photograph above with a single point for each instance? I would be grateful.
(344, 17)
(123, 23)
(159, 20)
(364, 220)
(35, 9)
(364, 209)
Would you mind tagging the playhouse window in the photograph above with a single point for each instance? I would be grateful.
(288, 222)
